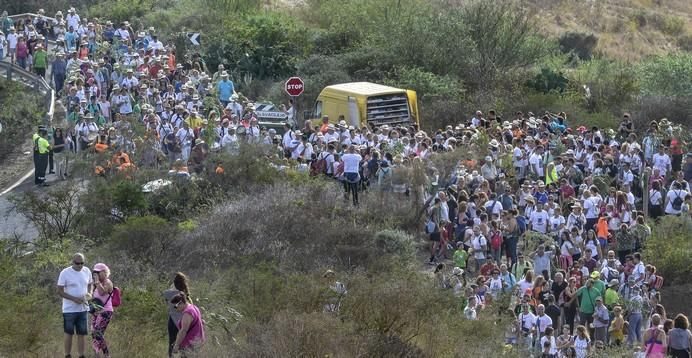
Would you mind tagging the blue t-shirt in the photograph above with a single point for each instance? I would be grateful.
(226, 89)
(70, 41)
(541, 197)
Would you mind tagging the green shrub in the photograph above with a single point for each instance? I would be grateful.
(667, 76)
(673, 25)
(428, 85)
(54, 213)
(580, 44)
(395, 243)
(147, 238)
(669, 248)
(22, 112)
(264, 45)
(548, 80)
(685, 42)
(128, 198)
(603, 84)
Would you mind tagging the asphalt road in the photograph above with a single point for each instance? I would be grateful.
(12, 223)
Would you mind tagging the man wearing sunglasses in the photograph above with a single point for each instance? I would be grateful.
(74, 285)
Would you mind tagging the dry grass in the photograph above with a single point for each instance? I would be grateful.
(627, 29)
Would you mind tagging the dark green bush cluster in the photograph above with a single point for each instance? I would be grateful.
(581, 44)
(669, 248)
(22, 111)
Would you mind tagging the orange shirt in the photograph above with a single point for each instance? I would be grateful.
(171, 62)
(324, 128)
(602, 227)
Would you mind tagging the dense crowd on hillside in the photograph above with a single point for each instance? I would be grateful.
(551, 217)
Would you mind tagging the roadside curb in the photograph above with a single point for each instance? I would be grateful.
(18, 182)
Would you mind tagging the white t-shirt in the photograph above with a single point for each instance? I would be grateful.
(329, 159)
(539, 221)
(518, 157)
(564, 249)
(478, 242)
(553, 345)
(351, 162)
(542, 322)
(76, 283)
(527, 320)
(12, 40)
(661, 162)
(493, 207)
(536, 162)
(672, 195)
(524, 285)
(541, 263)
(592, 207)
(555, 222)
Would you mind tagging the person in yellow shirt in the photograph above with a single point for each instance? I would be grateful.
(41, 149)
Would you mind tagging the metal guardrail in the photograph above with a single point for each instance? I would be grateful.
(29, 79)
(31, 14)
(39, 84)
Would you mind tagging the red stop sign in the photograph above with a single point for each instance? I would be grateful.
(294, 86)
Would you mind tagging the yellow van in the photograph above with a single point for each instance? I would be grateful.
(367, 104)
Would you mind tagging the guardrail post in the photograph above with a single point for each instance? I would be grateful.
(9, 72)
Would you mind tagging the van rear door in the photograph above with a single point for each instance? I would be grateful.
(388, 109)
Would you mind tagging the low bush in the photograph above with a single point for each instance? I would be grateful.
(669, 248)
(548, 80)
(604, 85)
(685, 42)
(148, 239)
(580, 44)
(54, 213)
(301, 226)
(21, 112)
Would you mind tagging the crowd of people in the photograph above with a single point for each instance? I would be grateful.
(552, 215)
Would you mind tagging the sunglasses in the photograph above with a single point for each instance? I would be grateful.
(78, 263)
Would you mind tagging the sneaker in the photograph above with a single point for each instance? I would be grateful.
(51, 172)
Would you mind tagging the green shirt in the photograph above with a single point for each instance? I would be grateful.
(460, 257)
(611, 298)
(599, 285)
(587, 299)
(41, 144)
(40, 59)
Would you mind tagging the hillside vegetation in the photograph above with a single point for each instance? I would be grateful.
(256, 241)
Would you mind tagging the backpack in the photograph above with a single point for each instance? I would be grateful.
(116, 299)
(496, 240)
(339, 170)
(677, 202)
(578, 176)
(320, 166)
(521, 224)
(658, 282)
(613, 274)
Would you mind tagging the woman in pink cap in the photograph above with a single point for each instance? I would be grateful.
(103, 290)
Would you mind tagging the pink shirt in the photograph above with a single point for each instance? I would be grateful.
(195, 334)
(104, 298)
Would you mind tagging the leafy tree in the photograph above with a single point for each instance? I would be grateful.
(503, 37)
(55, 213)
(667, 76)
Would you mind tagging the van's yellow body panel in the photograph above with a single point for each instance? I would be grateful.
(367, 104)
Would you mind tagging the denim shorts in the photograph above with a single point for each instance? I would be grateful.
(75, 323)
